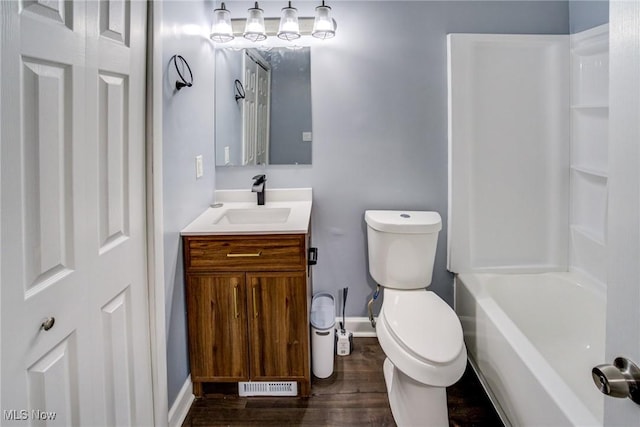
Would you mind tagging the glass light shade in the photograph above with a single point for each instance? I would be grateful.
(323, 25)
(289, 28)
(221, 30)
(254, 28)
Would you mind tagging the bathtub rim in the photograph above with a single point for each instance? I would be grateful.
(590, 282)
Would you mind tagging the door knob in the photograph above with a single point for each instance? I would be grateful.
(48, 323)
(622, 379)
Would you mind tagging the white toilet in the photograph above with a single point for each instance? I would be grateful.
(418, 332)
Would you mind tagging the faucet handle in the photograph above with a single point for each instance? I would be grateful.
(259, 179)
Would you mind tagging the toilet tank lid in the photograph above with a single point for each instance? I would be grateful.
(408, 222)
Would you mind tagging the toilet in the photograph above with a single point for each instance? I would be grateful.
(418, 332)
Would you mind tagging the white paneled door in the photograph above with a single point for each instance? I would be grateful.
(263, 101)
(256, 109)
(623, 232)
(74, 315)
(249, 111)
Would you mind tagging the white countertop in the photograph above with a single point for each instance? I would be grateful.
(298, 200)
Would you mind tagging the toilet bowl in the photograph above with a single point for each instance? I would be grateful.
(418, 332)
(422, 339)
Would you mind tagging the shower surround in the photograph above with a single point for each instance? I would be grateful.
(528, 142)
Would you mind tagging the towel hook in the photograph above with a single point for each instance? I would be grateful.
(240, 94)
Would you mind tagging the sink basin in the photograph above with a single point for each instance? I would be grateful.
(255, 216)
(286, 211)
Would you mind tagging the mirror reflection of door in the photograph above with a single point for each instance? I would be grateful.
(283, 99)
(255, 113)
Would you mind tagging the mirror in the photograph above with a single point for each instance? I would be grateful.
(263, 106)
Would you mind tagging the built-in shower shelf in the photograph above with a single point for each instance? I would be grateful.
(591, 42)
(589, 151)
(590, 67)
(589, 107)
(589, 205)
(590, 171)
(591, 48)
(589, 139)
(588, 253)
(591, 235)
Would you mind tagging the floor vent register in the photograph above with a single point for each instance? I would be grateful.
(268, 388)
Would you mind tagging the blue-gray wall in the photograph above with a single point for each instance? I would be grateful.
(228, 111)
(380, 122)
(187, 132)
(585, 14)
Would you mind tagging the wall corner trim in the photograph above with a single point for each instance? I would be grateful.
(180, 407)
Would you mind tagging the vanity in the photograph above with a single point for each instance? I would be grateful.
(248, 289)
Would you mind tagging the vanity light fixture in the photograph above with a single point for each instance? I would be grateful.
(289, 28)
(254, 28)
(324, 27)
(221, 30)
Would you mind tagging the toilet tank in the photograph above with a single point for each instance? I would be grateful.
(402, 247)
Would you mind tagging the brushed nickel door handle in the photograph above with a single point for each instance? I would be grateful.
(622, 379)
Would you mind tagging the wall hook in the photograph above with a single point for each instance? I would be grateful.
(240, 94)
(182, 82)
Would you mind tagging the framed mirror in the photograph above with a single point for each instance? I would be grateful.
(263, 106)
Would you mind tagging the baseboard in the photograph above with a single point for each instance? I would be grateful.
(360, 326)
(180, 408)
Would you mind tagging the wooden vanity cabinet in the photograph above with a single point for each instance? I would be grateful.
(217, 323)
(248, 301)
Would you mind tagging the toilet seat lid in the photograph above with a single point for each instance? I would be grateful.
(423, 324)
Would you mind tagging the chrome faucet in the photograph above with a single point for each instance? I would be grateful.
(259, 182)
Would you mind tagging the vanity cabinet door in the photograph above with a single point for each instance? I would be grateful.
(217, 321)
(278, 325)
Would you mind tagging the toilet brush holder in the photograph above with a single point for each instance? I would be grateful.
(344, 342)
(344, 337)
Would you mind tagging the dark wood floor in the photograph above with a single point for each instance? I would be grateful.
(355, 395)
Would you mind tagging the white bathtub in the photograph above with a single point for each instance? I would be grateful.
(533, 339)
